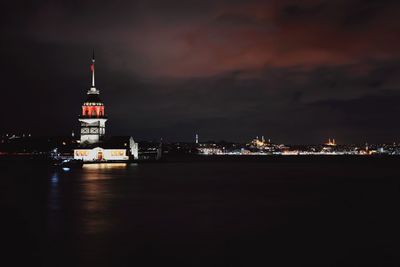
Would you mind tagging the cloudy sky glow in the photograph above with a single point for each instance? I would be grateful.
(293, 71)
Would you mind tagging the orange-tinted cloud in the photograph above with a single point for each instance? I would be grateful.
(184, 39)
(273, 34)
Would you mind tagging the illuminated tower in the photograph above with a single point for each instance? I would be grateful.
(92, 119)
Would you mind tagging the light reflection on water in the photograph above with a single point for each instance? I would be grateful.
(92, 188)
(95, 195)
(102, 166)
(54, 192)
(97, 192)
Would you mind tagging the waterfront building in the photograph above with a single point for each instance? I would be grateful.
(93, 144)
(120, 148)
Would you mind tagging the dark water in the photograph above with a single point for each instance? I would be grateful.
(329, 212)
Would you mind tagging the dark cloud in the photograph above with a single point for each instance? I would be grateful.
(296, 71)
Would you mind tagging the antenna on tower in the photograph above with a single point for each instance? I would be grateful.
(92, 69)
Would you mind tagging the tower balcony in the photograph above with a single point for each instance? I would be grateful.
(93, 117)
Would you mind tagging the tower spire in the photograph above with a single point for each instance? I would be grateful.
(92, 69)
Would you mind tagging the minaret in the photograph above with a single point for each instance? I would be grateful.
(93, 119)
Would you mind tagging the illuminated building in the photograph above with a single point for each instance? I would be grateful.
(93, 145)
(260, 143)
(93, 119)
(331, 142)
(211, 151)
(114, 149)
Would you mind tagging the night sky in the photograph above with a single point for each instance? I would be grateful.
(293, 71)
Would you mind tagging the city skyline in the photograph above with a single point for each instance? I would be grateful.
(200, 132)
(296, 73)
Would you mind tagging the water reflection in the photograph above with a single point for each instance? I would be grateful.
(91, 192)
(104, 166)
(54, 179)
(54, 202)
(98, 191)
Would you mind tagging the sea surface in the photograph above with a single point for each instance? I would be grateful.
(293, 211)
